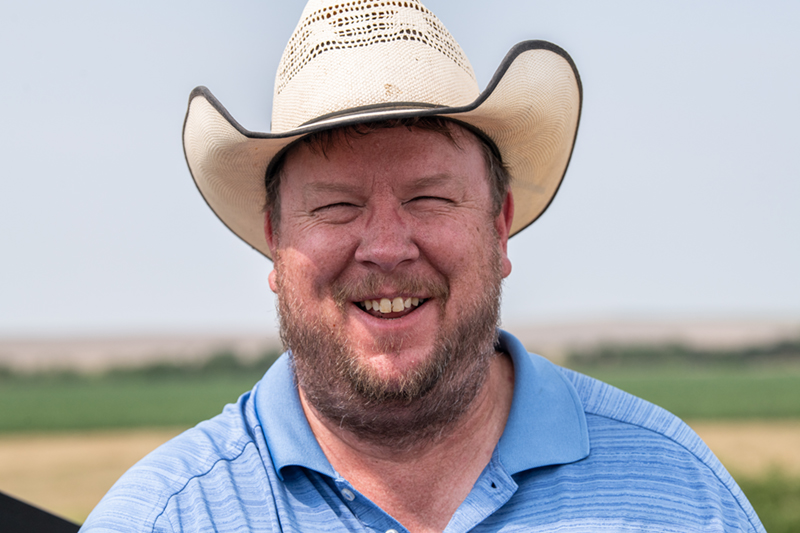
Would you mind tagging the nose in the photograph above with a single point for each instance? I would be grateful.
(387, 240)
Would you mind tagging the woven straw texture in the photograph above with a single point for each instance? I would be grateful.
(345, 55)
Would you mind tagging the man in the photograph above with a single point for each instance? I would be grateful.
(391, 187)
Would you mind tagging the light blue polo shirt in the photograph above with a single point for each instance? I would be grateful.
(576, 456)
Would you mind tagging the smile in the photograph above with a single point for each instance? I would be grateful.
(385, 306)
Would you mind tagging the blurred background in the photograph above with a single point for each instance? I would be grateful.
(667, 264)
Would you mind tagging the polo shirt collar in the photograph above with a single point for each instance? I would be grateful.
(290, 440)
(546, 424)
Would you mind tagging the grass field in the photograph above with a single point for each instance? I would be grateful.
(776, 499)
(162, 395)
(85, 404)
(713, 393)
(58, 403)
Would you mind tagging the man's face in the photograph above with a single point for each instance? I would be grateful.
(402, 219)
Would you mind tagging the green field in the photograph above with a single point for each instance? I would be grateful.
(162, 395)
(173, 397)
(776, 499)
(712, 393)
(54, 405)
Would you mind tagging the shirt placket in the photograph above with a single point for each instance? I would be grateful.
(373, 518)
(492, 490)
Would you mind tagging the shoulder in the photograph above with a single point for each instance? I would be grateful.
(193, 466)
(602, 401)
(653, 451)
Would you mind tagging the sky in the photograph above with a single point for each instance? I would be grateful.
(682, 199)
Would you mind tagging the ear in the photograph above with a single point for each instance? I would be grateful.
(272, 238)
(503, 227)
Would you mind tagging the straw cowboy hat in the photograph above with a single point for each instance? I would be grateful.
(367, 60)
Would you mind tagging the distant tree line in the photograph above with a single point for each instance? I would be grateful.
(228, 363)
(222, 363)
(782, 352)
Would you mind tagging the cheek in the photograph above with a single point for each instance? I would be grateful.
(310, 265)
(298, 276)
(457, 245)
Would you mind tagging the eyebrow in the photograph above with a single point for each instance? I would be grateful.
(324, 186)
(432, 181)
(347, 188)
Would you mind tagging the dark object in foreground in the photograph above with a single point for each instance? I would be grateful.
(20, 517)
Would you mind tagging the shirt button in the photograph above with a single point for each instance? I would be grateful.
(349, 496)
(391, 531)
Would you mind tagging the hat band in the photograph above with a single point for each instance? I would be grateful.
(366, 110)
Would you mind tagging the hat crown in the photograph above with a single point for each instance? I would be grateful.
(345, 55)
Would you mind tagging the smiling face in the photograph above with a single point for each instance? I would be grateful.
(388, 265)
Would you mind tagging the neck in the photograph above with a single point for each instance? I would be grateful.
(423, 483)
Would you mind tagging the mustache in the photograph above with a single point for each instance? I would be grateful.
(367, 286)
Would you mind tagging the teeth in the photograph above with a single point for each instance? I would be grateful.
(395, 305)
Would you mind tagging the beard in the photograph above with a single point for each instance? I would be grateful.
(406, 411)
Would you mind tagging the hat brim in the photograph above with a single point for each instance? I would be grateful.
(530, 110)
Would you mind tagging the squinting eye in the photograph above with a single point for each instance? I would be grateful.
(430, 199)
(338, 213)
(331, 206)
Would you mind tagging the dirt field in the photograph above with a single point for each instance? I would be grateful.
(69, 473)
(753, 448)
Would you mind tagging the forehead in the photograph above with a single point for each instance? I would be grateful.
(356, 154)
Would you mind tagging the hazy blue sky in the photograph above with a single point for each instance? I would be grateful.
(682, 200)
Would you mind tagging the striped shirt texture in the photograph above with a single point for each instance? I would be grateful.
(577, 455)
